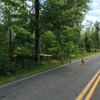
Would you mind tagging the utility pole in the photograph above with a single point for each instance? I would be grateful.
(37, 31)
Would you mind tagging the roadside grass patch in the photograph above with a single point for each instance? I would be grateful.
(42, 67)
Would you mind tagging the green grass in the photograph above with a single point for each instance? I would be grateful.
(43, 66)
(34, 70)
(85, 55)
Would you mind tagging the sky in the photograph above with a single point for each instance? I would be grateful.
(94, 14)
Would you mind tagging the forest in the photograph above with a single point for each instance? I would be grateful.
(45, 30)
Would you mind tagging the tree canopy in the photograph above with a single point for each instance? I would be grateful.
(51, 27)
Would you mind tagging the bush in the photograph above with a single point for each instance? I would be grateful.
(7, 68)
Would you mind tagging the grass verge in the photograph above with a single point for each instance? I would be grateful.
(44, 66)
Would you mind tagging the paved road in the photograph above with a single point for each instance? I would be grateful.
(96, 94)
(63, 83)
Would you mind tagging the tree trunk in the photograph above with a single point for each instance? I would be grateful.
(37, 30)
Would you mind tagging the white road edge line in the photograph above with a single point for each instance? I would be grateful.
(42, 72)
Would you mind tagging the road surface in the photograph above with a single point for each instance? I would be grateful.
(73, 81)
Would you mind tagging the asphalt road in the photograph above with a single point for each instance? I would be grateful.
(63, 83)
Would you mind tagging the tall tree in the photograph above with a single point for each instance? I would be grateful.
(58, 14)
(14, 13)
(37, 30)
(96, 25)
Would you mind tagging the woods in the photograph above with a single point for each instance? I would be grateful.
(52, 27)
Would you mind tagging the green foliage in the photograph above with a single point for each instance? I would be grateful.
(88, 44)
(23, 42)
(48, 43)
(64, 12)
(57, 29)
(97, 25)
(5, 66)
(19, 50)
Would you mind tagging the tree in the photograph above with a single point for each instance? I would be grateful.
(62, 12)
(96, 25)
(88, 44)
(62, 18)
(48, 43)
(14, 13)
(37, 35)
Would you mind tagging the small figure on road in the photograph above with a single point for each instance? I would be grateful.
(82, 62)
(69, 60)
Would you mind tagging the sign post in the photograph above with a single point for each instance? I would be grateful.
(10, 44)
(10, 35)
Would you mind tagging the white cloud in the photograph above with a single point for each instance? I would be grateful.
(91, 19)
(29, 2)
(94, 14)
(95, 4)
(96, 11)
